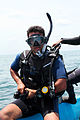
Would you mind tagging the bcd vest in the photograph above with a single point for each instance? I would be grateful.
(35, 71)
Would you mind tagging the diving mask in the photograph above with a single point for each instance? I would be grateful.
(36, 40)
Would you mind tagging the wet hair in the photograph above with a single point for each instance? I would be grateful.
(36, 29)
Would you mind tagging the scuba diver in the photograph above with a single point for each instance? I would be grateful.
(74, 76)
(39, 73)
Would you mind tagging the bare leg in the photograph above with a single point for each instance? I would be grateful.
(51, 116)
(10, 112)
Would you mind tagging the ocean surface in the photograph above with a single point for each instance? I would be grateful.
(8, 86)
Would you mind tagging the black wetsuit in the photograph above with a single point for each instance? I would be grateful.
(71, 41)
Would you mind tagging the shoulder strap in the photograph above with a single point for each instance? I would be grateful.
(25, 55)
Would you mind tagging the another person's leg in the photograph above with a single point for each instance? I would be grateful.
(71, 99)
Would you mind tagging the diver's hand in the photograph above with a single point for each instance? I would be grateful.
(15, 76)
(21, 87)
(31, 92)
(57, 43)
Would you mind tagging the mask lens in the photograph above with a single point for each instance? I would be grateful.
(40, 40)
(30, 41)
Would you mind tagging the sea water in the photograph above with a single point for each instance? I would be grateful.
(8, 86)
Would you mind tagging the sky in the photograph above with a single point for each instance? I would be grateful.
(16, 16)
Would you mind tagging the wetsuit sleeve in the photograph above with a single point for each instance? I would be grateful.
(71, 41)
(59, 69)
(15, 64)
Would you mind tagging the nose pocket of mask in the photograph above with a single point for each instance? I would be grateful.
(36, 44)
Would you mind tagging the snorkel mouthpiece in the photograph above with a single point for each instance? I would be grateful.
(40, 54)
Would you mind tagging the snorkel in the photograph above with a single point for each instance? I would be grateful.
(47, 38)
(51, 25)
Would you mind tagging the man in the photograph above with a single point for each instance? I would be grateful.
(35, 72)
(70, 89)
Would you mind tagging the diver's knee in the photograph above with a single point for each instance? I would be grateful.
(2, 116)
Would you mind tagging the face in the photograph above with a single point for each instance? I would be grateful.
(35, 49)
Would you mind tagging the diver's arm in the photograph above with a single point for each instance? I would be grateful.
(20, 85)
(60, 85)
(59, 75)
(71, 41)
(15, 76)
